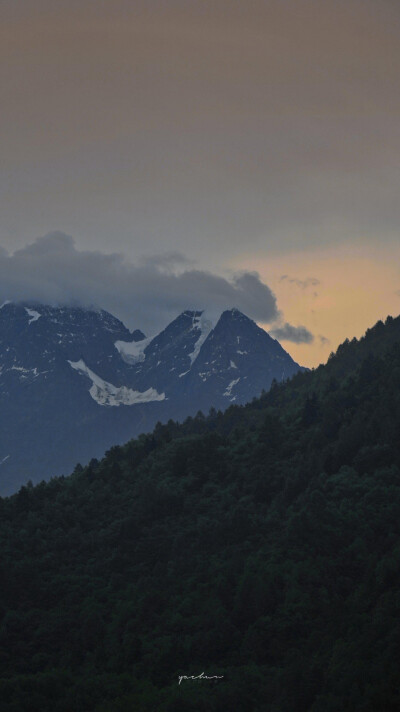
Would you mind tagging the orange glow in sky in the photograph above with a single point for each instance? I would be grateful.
(356, 287)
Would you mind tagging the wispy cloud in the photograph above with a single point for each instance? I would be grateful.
(296, 334)
(301, 283)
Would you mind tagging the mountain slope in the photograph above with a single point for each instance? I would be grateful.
(75, 381)
(260, 545)
(237, 358)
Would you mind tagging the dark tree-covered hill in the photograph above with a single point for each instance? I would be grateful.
(261, 545)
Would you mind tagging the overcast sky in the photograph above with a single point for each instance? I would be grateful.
(218, 146)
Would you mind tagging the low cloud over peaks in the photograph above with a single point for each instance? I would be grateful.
(145, 295)
(167, 262)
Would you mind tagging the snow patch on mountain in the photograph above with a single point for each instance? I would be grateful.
(133, 351)
(109, 395)
(231, 385)
(24, 371)
(33, 314)
(205, 324)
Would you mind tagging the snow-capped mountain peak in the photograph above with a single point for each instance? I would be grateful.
(75, 381)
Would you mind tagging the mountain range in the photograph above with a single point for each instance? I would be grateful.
(75, 381)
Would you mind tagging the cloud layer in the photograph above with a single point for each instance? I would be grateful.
(145, 295)
(212, 127)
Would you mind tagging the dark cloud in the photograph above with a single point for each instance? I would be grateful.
(324, 340)
(296, 334)
(145, 295)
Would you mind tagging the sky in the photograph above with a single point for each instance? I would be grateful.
(158, 156)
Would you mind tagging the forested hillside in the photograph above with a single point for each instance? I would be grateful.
(261, 545)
